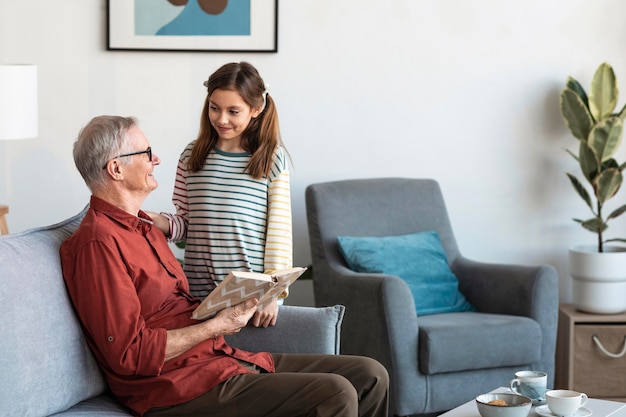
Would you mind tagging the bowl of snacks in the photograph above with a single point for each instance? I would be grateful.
(500, 404)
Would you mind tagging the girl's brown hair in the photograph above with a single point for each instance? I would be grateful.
(261, 137)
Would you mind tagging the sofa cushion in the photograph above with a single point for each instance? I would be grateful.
(46, 364)
(104, 405)
(489, 341)
(417, 258)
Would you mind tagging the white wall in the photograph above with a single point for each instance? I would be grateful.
(462, 91)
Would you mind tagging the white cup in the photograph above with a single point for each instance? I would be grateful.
(531, 384)
(563, 402)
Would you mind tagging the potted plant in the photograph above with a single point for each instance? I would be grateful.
(598, 271)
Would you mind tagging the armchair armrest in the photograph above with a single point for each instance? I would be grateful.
(387, 296)
(297, 330)
(380, 321)
(530, 291)
(367, 297)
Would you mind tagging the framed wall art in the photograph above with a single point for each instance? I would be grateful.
(193, 25)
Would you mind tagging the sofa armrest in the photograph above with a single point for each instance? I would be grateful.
(297, 330)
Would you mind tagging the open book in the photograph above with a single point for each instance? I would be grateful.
(239, 286)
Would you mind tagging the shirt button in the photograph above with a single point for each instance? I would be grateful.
(110, 338)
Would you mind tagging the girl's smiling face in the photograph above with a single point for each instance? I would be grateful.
(230, 115)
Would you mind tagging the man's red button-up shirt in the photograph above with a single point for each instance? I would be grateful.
(128, 289)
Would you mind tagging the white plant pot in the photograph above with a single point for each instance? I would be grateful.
(599, 279)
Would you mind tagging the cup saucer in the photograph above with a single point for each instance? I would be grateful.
(545, 412)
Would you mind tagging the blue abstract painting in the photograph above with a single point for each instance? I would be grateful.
(192, 17)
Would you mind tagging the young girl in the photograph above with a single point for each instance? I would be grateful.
(231, 194)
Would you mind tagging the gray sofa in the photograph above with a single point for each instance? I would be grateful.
(47, 368)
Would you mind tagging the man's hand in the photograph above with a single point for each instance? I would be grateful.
(236, 317)
(267, 316)
(228, 321)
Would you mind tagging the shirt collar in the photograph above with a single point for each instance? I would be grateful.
(141, 223)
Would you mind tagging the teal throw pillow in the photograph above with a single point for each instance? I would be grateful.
(417, 258)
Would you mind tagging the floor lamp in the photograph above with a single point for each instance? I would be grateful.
(18, 111)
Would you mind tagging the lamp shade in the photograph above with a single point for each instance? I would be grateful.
(18, 102)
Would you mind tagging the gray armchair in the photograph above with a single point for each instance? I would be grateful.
(436, 362)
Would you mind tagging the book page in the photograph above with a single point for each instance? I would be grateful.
(283, 279)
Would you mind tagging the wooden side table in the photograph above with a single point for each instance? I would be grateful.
(4, 227)
(591, 353)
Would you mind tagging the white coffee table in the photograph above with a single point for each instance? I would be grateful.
(599, 408)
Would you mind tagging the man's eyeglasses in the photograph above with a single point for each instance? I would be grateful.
(147, 151)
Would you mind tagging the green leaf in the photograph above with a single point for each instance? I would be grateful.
(582, 192)
(617, 212)
(609, 163)
(574, 85)
(576, 114)
(606, 137)
(574, 155)
(622, 113)
(588, 160)
(607, 184)
(594, 225)
(603, 92)
(616, 240)
(180, 245)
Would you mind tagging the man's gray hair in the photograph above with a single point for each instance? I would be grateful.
(97, 143)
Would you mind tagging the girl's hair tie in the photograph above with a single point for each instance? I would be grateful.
(265, 93)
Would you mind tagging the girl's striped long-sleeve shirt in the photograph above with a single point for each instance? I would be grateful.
(229, 220)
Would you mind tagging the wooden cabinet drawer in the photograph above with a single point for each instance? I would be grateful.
(595, 372)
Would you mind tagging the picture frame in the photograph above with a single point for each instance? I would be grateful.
(192, 25)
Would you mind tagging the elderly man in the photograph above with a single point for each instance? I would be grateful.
(132, 298)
